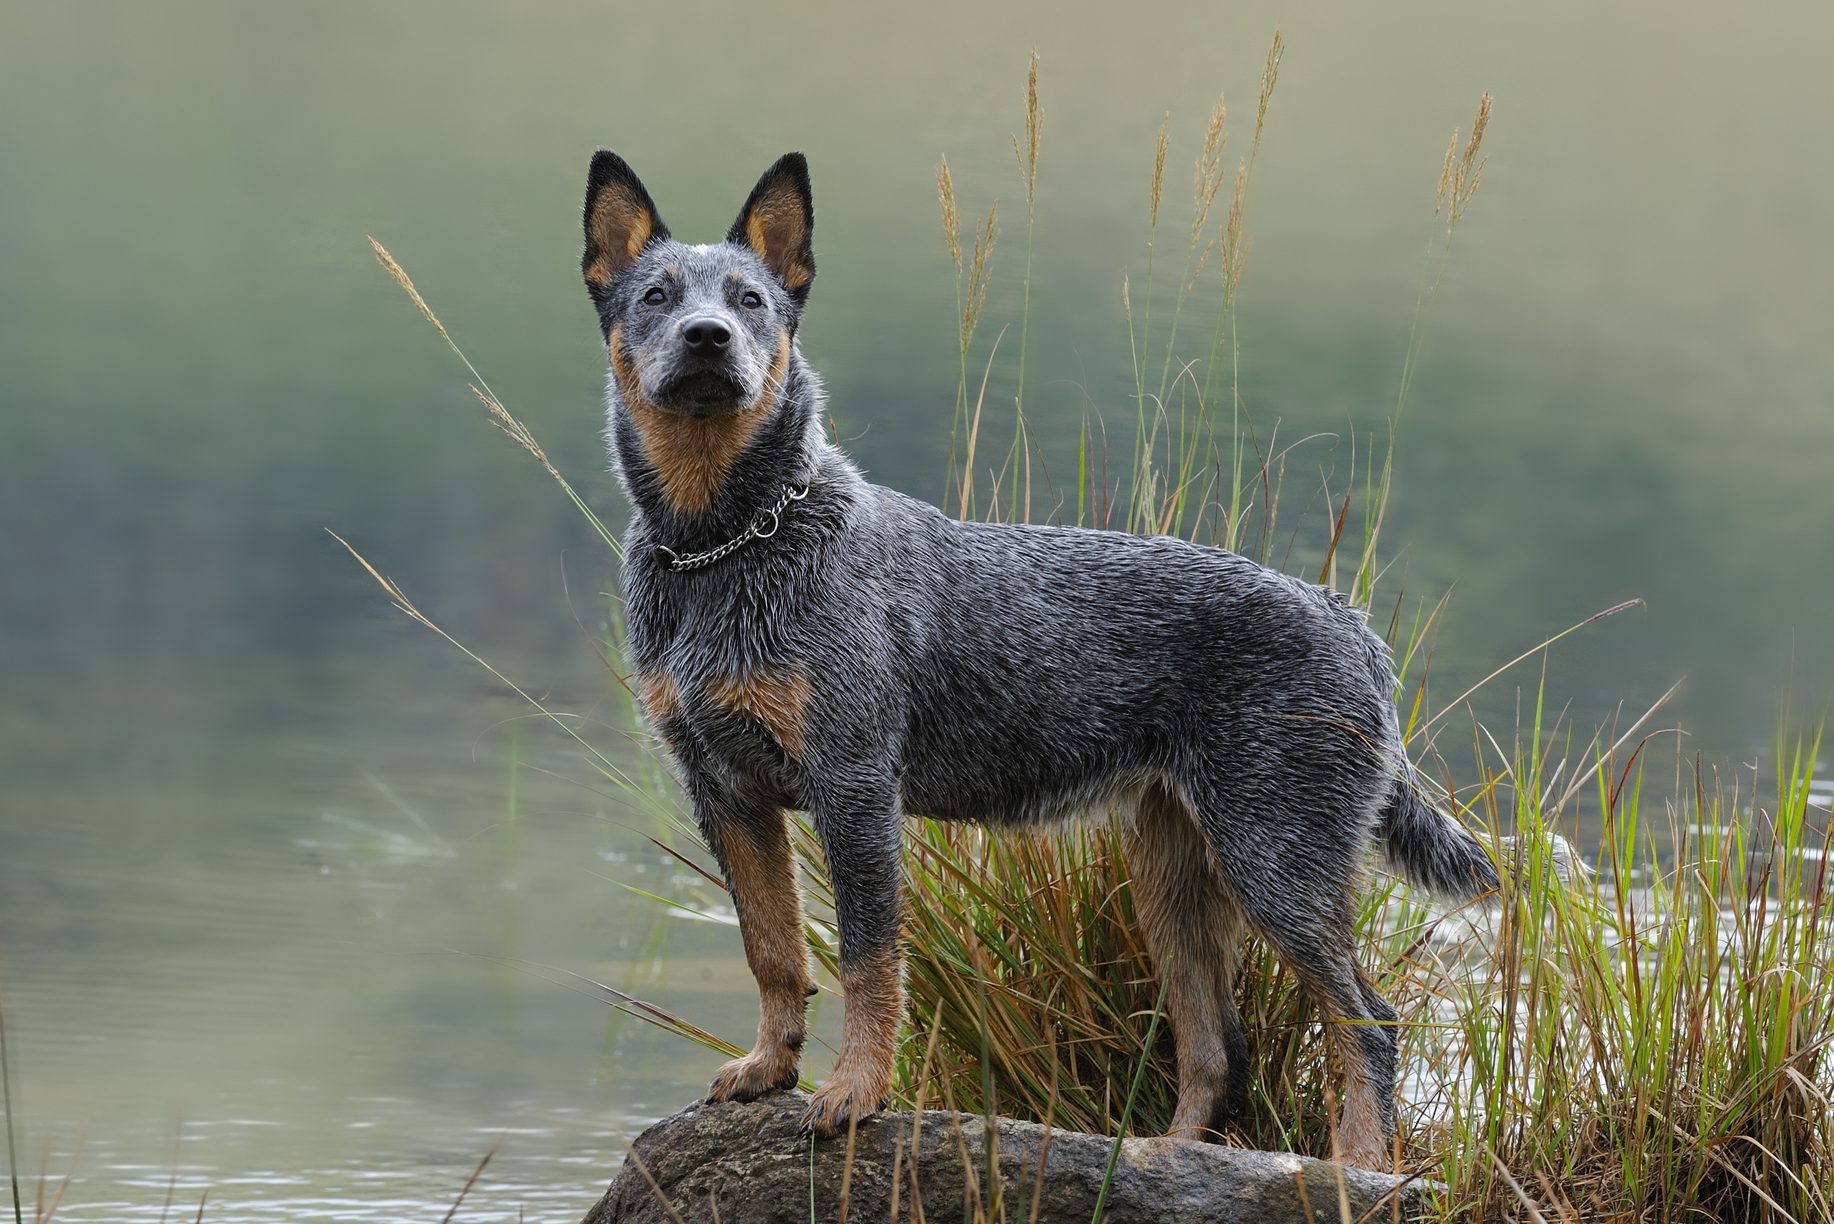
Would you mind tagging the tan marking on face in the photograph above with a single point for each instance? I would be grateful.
(692, 455)
(659, 696)
(777, 697)
(621, 228)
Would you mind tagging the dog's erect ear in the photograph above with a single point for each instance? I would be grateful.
(620, 220)
(778, 223)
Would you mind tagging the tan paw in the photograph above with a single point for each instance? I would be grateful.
(748, 1078)
(843, 1097)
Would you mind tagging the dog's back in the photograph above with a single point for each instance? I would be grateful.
(1046, 669)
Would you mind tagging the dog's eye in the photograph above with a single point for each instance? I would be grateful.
(655, 297)
(750, 299)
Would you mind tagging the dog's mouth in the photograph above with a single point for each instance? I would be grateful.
(701, 393)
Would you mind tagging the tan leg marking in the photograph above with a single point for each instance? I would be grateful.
(862, 1075)
(762, 871)
(1186, 916)
(691, 455)
(1360, 1138)
(775, 696)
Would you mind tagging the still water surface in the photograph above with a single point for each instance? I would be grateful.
(278, 869)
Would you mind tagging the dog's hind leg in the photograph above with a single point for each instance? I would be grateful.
(1295, 891)
(1193, 932)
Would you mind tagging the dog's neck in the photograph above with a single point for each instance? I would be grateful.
(696, 483)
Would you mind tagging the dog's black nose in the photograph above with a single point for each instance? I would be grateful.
(705, 336)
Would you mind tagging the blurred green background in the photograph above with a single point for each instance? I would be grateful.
(265, 845)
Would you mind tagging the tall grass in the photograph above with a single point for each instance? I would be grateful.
(1651, 1045)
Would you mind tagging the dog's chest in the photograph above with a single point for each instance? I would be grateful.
(716, 670)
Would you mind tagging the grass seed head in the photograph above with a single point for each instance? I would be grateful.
(399, 275)
(1034, 129)
(1207, 171)
(1270, 76)
(1457, 190)
(978, 264)
(951, 220)
(1159, 167)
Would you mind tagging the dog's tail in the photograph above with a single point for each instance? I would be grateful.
(1432, 849)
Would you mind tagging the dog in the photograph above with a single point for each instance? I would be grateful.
(803, 640)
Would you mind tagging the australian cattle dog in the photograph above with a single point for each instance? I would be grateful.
(804, 640)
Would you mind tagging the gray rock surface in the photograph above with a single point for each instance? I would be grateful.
(749, 1164)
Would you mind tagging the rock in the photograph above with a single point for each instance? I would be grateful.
(749, 1164)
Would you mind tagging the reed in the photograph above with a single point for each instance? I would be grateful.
(1026, 155)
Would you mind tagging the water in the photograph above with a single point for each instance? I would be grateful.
(264, 875)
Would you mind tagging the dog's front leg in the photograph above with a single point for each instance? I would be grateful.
(859, 828)
(752, 844)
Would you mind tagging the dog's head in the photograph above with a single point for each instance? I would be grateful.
(698, 331)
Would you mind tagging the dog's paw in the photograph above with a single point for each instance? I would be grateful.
(841, 1099)
(748, 1078)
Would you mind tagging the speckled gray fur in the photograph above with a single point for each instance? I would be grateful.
(1001, 674)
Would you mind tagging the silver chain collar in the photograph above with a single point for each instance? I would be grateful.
(763, 527)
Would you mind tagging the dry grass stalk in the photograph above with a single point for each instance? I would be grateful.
(399, 275)
(1270, 76)
(974, 430)
(978, 263)
(655, 1189)
(1233, 250)
(472, 1181)
(500, 416)
(1445, 173)
(951, 220)
(1034, 128)
(517, 431)
(1458, 180)
(1159, 168)
(1207, 172)
(1206, 184)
